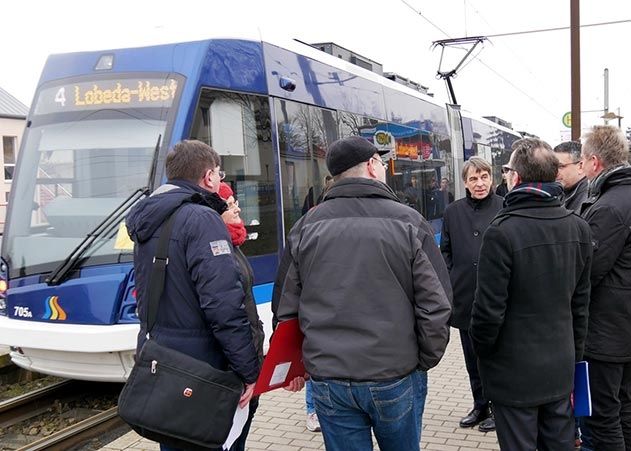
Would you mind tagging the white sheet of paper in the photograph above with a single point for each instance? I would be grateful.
(280, 373)
(239, 420)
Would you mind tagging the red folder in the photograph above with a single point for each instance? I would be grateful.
(283, 361)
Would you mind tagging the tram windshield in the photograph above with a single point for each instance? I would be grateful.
(90, 144)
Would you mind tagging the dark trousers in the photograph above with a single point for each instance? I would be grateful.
(548, 427)
(239, 444)
(610, 423)
(471, 362)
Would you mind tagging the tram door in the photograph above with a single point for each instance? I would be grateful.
(457, 146)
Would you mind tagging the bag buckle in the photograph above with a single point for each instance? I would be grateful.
(154, 364)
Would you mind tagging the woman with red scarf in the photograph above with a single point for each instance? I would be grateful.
(236, 227)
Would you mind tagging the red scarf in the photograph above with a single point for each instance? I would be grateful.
(237, 233)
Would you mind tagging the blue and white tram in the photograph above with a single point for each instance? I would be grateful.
(98, 131)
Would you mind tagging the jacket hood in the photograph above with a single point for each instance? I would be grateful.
(360, 187)
(148, 215)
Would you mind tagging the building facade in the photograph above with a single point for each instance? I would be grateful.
(12, 122)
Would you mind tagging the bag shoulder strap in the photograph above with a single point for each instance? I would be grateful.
(158, 271)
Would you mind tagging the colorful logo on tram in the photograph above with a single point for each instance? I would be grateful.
(54, 312)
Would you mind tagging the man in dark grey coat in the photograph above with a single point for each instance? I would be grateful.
(608, 344)
(570, 175)
(529, 317)
(372, 293)
(464, 223)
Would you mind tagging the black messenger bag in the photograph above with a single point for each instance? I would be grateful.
(171, 397)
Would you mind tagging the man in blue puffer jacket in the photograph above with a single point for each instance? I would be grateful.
(201, 310)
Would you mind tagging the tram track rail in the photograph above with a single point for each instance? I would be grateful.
(78, 433)
(29, 407)
(25, 406)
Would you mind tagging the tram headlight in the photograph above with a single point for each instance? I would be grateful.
(4, 286)
(129, 308)
(3, 300)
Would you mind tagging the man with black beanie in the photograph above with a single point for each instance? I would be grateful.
(372, 294)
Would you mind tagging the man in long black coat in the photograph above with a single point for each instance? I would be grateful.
(464, 223)
(529, 318)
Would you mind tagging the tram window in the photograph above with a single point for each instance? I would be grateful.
(501, 150)
(493, 145)
(448, 173)
(405, 109)
(323, 131)
(351, 124)
(421, 161)
(304, 134)
(237, 126)
(9, 144)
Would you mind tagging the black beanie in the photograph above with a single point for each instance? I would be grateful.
(345, 153)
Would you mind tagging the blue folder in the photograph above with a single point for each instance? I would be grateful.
(581, 394)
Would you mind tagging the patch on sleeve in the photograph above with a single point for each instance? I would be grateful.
(219, 247)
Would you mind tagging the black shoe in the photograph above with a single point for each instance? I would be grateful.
(474, 417)
(487, 425)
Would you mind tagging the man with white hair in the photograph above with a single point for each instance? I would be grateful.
(605, 157)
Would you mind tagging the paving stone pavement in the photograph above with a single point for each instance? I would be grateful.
(279, 423)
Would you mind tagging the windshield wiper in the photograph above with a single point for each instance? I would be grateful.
(104, 229)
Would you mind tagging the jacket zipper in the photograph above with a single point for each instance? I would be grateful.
(154, 370)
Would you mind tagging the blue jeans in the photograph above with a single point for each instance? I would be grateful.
(309, 397)
(347, 411)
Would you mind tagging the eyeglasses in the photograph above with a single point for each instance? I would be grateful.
(506, 169)
(563, 166)
(221, 174)
(381, 162)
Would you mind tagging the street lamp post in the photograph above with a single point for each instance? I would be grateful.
(575, 58)
(610, 115)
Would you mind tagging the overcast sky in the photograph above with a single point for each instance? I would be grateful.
(523, 79)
